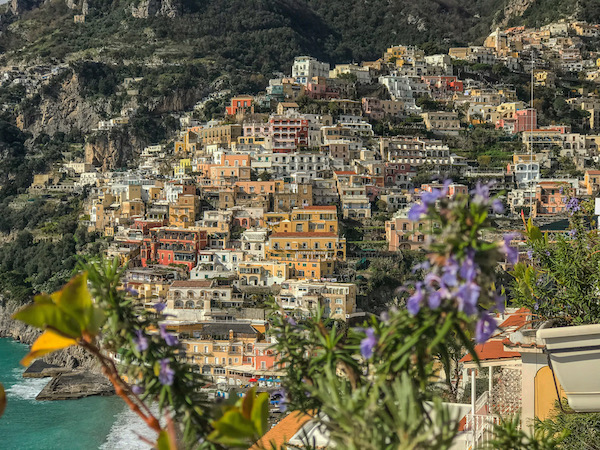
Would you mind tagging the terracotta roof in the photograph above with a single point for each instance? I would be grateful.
(281, 433)
(508, 343)
(594, 172)
(321, 207)
(192, 283)
(345, 172)
(306, 234)
(491, 350)
(517, 319)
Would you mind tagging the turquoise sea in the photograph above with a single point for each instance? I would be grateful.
(90, 423)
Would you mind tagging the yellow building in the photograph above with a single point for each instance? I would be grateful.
(185, 211)
(309, 218)
(184, 168)
(188, 144)
(295, 246)
(262, 273)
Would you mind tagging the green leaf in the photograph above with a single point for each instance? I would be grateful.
(75, 299)
(260, 413)
(248, 403)
(233, 429)
(164, 441)
(42, 315)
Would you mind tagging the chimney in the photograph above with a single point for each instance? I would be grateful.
(231, 335)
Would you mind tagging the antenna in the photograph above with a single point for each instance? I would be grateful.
(533, 184)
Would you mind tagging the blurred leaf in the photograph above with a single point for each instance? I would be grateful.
(48, 342)
(260, 413)
(164, 442)
(42, 315)
(2, 400)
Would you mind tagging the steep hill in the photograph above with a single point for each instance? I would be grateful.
(262, 35)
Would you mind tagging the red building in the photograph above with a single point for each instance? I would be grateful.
(288, 133)
(239, 104)
(522, 120)
(173, 246)
(397, 174)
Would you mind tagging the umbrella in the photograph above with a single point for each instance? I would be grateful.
(270, 379)
(252, 380)
(262, 379)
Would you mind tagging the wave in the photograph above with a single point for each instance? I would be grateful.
(123, 434)
(27, 389)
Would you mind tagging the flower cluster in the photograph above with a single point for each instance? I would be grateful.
(460, 272)
(572, 205)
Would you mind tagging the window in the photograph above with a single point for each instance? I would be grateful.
(263, 365)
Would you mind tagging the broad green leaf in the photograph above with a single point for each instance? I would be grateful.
(42, 315)
(75, 299)
(248, 402)
(48, 342)
(164, 441)
(260, 413)
(234, 424)
(2, 400)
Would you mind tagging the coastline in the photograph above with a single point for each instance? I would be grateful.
(73, 373)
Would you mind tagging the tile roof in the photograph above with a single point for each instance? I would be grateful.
(344, 172)
(517, 319)
(328, 207)
(281, 433)
(192, 283)
(491, 350)
(219, 329)
(307, 234)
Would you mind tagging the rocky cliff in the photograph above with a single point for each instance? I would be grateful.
(112, 149)
(64, 111)
(151, 8)
(73, 357)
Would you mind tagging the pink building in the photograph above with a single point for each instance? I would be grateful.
(522, 120)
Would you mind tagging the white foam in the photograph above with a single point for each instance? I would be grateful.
(123, 434)
(27, 389)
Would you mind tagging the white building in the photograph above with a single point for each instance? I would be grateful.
(307, 67)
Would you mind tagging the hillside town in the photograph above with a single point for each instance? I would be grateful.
(294, 198)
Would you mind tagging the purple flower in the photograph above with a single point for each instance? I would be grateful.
(486, 325)
(450, 272)
(429, 198)
(170, 340)
(500, 300)
(291, 321)
(368, 343)
(572, 232)
(417, 211)
(467, 296)
(159, 307)
(166, 374)
(421, 266)
(573, 205)
(512, 254)
(434, 299)
(561, 190)
(384, 317)
(137, 389)
(140, 341)
(497, 206)
(481, 193)
(547, 252)
(468, 269)
(413, 304)
(536, 306)
(131, 291)
(530, 254)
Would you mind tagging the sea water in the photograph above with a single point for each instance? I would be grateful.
(88, 423)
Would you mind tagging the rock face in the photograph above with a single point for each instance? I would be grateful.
(66, 111)
(111, 149)
(69, 358)
(515, 8)
(151, 8)
(20, 6)
(76, 385)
